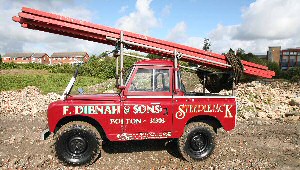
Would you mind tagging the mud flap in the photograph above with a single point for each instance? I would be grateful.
(45, 134)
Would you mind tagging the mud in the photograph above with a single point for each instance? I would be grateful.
(253, 144)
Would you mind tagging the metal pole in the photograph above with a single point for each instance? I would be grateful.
(121, 54)
(233, 87)
(117, 71)
(204, 83)
(176, 72)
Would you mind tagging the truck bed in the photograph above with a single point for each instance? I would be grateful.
(203, 94)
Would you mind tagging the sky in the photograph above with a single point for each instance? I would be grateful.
(252, 25)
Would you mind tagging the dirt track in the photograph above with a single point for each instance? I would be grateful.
(255, 144)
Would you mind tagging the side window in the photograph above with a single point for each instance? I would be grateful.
(162, 80)
(142, 80)
(155, 80)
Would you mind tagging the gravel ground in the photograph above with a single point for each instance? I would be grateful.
(253, 144)
(258, 142)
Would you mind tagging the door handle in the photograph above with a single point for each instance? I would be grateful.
(166, 112)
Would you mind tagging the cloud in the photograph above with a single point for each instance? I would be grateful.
(196, 42)
(14, 38)
(166, 10)
(123, 9)
(274, 19)
(142, 20)
(264, 23)
(178, 32)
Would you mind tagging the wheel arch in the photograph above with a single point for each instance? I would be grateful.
(86, 119)
(210, 120)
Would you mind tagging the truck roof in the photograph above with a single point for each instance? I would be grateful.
(155, 62)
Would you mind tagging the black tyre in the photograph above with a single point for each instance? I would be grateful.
(77, 143)
(197, 141)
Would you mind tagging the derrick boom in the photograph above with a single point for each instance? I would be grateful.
(57, 24)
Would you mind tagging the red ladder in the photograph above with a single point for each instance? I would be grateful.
(57, 24)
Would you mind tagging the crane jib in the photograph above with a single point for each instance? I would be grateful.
(66, 26)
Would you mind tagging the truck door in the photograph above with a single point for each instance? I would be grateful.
(148, 103)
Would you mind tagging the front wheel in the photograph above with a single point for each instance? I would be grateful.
(77, 143)
(197, 141)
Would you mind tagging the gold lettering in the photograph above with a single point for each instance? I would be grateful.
(207, 108)
(65, 110)
(91, 110)
(201, 108)
(180, 114)
(158, 109)
(227, 111)
(99, 109)
(107, 110)
(77, 108)
(114, 109)
(136, 109)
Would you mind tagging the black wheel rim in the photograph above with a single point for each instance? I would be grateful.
(77, 145)
(198, 142)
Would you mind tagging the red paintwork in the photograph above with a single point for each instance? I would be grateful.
(106, 96)
(152, 115)
(40, 20)
(155, 62)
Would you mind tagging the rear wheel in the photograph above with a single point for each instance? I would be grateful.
(197, 141)
(77, 143)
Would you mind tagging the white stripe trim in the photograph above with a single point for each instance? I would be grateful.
(207, 97)
(236, 112)
(167, 97)
(179, 97)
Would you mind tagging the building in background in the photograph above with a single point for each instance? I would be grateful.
(286, 58)
(290, 58)
(273, 54)
(69, 58)
(41, 58)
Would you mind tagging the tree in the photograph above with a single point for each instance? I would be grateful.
(230, 51)
(272, 65)
(206, 44)
(153, 56)
(240, 51)
(0, 58)
(104, 54)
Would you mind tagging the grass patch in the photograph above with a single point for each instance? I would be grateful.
(50, 82)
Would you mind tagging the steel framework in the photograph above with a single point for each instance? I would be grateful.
(57, 24)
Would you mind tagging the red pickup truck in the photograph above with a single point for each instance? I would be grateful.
(152, 104)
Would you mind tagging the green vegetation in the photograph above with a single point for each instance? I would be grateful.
(46, 83)
(102, 68)
(293, 74)
(56, 78)
(30, 66)
(97, 70)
